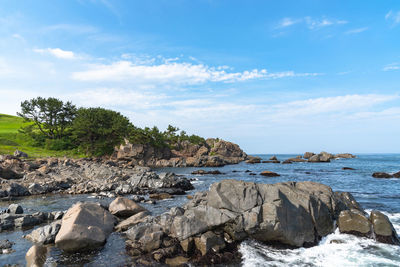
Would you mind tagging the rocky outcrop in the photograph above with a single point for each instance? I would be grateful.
(87, 176)
(214, 222)
(212, 153)
(85, 226)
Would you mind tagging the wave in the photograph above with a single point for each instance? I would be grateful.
(333, 250)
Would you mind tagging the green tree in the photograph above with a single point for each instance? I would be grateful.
(52, 117)
(99, 130)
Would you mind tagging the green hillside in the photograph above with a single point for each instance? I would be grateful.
(11, 139)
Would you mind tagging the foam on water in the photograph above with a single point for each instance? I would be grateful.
(334, 250)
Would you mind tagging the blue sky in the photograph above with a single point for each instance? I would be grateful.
(272, 76)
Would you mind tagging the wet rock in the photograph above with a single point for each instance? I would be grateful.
(160, 196)
(5, 244)
(29, 220)
(383, 228)
(269, 174)
(273, 158)
(84, 226)
(396, 175)
(46, 234)
(253, 160)
(291, 160)
(15, 209)
(177, 261)
(36, 189)
(124, 207)
(271, 161)
(36, 256)
(203, 172)
(15, 190)
(345, 200)
(354, 222)
(381, 175)
(348, 168)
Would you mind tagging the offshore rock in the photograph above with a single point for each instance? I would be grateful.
(383, 228)
(354, 222)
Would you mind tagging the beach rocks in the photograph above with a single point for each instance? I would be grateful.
(383, 229)
(85, 226)
(46, 234)
(123, 207)
(354, 222)
(269, 174)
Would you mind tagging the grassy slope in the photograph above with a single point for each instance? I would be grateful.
(11, 139)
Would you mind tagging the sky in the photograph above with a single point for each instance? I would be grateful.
(271, 76)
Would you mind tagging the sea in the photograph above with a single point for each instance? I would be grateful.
(335, 249)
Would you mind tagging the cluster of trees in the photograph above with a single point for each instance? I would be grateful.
(56, 125)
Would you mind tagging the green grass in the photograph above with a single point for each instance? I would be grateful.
(11, 139)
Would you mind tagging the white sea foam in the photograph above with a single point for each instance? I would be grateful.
(334, 250)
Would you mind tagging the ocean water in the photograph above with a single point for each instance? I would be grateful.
(345, 250)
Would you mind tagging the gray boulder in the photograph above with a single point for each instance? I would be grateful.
(15, 209)
(383, 228)
(46, 234)
(354, 222)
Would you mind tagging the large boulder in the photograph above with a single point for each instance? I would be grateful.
(354, 222)
(124, 207)
(84, 226)
(383, 228)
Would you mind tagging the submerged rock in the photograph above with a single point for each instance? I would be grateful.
(85, 226)
(269, 174)
(381, 175)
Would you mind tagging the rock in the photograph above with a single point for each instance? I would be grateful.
(209, 241)
(8, 174)
(347, 201)
(253, 160)
(84, 226)
(273, 158)
(15, 209)
(345, 156)
(271, 161)
(348, 168)
(308, 155)
(36, 189)
(160, 196)
(396, 175)
(354, 222)
(148, 235)
(15, 190)
(36, 256)
(132, 221)
(188, 245)
(383, 228)
(325, 157)
(202, 172)
(269, 174)
(381, 175)
(294, 160)
(5, 244)
(177, 261)
(46, 234)
(124, 207)
(20, 154)
(29, 220)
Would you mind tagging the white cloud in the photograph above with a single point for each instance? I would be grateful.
(358, 30)
(57, 52)
(286, 22)
(393, 66)
(174, 73)
(393, 17)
